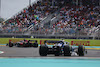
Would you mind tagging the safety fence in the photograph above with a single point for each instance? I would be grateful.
(76, 42)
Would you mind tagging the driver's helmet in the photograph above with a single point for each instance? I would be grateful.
(63, 40)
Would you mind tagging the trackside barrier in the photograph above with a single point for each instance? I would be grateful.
(41, 41)
(85, 43)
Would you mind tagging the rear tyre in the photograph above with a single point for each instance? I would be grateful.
(43, 50)
(81, 50)
(10, 44)
(67, 51)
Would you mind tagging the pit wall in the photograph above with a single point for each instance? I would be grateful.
(71, 41)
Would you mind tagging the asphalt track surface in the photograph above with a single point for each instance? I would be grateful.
(34, 52)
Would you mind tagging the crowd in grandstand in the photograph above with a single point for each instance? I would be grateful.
(73, 18)
(78, 17)
(31, 15)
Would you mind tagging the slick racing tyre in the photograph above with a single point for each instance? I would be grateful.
(43, 50)
(10, 44)
(67, 51)
(80, 50)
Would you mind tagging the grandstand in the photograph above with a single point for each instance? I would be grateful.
(77, 19)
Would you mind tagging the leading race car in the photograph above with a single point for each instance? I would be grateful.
(60, 48)
(23, 43)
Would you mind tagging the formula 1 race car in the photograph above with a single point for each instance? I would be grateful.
(24, 43)
(64, 49)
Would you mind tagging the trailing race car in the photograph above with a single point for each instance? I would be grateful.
(24, 43)
(60, 48)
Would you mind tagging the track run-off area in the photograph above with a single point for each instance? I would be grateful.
(29, 57)
(5, 51)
